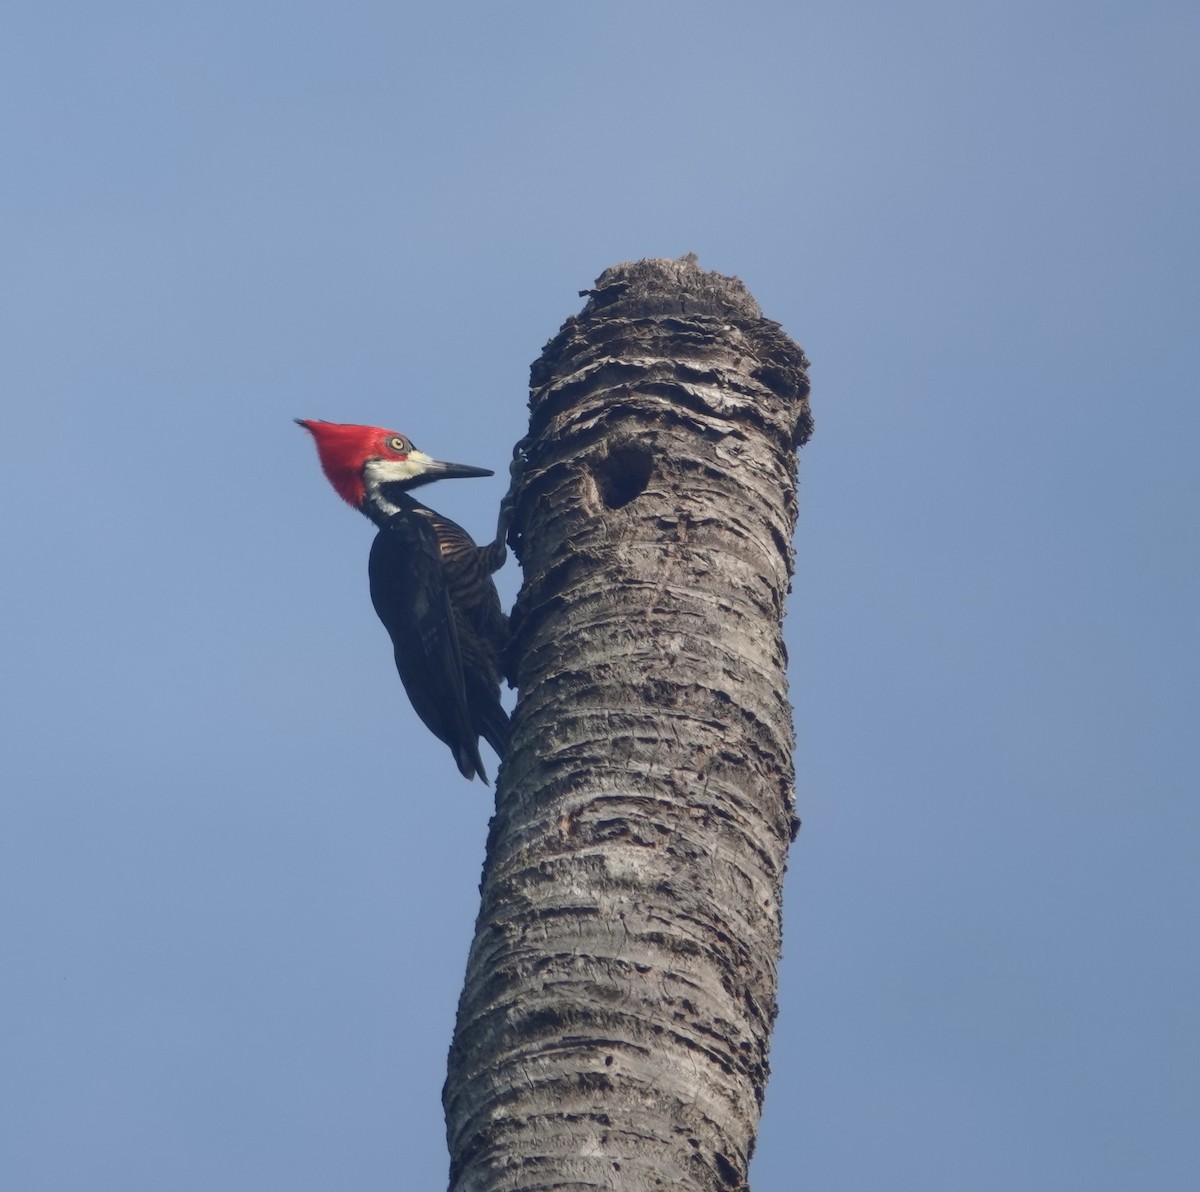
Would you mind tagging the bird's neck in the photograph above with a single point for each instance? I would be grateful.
(384, 501)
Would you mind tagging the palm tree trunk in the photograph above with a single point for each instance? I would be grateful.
(620, 990)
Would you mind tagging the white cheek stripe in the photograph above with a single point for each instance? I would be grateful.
(378, 472)
(375, 496)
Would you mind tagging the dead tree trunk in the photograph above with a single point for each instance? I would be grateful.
(620, 991)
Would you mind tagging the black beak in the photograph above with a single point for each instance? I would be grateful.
(439, 470)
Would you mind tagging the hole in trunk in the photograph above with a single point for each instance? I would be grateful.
(623, 473)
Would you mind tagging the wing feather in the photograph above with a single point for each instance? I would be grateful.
(411, 594)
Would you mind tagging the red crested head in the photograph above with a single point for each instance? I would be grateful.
(344, 450)
(360, 460)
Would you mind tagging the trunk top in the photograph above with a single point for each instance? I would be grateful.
(683, 298)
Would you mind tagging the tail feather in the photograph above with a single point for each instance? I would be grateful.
(496, 727)
(469, 762)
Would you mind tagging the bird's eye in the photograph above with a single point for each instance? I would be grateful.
(400, 444)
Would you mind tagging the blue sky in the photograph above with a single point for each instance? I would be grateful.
(238, 880)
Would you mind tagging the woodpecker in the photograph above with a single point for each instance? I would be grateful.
(430, 584)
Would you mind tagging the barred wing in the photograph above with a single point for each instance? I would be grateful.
(412, 595)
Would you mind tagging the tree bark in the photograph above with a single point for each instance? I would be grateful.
(620, 991)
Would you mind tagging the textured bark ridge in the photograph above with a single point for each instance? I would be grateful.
(620, 991)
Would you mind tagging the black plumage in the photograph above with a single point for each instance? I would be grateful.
(432, 588)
